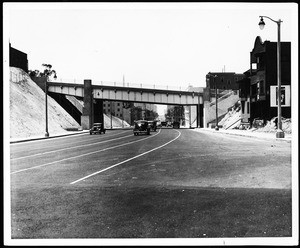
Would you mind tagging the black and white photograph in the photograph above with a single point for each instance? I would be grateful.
(150, 123)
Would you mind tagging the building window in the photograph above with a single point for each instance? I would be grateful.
(118, 110)
(229, 82)
(118, 104)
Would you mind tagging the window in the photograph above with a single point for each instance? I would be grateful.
(118, 110)
(248, 107)
(228, 82)
(118, 104)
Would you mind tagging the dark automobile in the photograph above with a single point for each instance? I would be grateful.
(141, 126)
(153, 125)
(176, 124)
(163, 123)
(97, 128)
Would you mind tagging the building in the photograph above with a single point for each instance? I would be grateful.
(261, 83)
(224, 80)
(18, 59)
(118, 109)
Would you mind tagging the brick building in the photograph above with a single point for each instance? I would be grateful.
(224, 80)
(259, 86)
(18, 59)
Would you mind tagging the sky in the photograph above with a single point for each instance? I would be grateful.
(173, 44)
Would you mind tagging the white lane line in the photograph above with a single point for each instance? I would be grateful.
(82, 155)
(68, 148)
(127, 160)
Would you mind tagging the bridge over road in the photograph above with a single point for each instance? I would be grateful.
(94, 95)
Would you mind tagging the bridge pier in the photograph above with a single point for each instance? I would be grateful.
(87, 111)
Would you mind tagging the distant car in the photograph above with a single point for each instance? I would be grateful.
(141, 126)
(169, 124)
(153, 125)
(97, 128)
(163, 123)
(176, 124)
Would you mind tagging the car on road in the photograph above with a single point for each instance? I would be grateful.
(141, 126)
(153, 125)
(97, 128)
(169, 124)
(163, 123)
(176, 124)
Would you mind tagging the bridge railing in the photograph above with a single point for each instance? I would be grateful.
(124, 84)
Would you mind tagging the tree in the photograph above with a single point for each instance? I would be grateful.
(175, 113)
(150, 115)
(48, 72)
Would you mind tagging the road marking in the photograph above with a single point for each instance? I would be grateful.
(127, 160)
(82, 155)
(63, 149)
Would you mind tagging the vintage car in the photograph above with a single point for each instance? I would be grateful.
(176, 124)
(97, 128)
(163, 123)
(141, 126)
(153, 125)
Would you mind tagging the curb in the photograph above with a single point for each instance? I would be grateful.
(50, 137)
(247, 135)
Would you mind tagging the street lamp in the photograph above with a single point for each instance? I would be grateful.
(279, 132)
(46, 107)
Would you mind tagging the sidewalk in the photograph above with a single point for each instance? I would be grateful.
(40, 137)
(247, 133)
(55, 135)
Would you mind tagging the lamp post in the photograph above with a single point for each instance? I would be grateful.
(46, 107)
(279, 132)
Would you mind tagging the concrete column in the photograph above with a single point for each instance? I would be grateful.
(87, 111)
(206, 101)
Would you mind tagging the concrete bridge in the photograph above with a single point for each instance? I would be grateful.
(94, 95)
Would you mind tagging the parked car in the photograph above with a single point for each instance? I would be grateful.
(141, 126)
(97, 128)
(153, 125)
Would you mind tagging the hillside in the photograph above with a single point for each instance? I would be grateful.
(27, 110)
(232, 120)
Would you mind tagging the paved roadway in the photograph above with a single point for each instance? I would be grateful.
(174, 183)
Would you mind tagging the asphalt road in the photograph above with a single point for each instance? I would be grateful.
(174, 183)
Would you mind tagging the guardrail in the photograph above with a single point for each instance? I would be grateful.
(123, 84)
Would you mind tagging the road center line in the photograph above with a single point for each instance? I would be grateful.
(86, 154)
(68, 148)
(127, 160)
